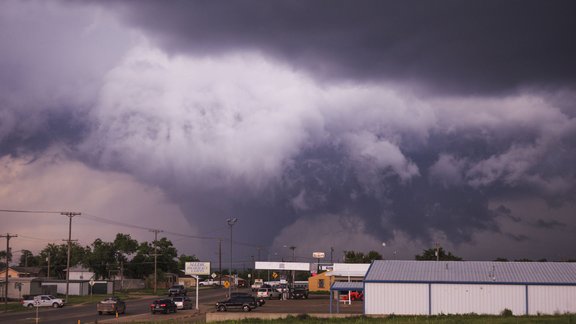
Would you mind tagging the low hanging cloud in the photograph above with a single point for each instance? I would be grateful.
(243, 133)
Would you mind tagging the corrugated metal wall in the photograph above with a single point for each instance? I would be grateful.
(479, 299)
(551, 299)
(413, 299)
(396, 298)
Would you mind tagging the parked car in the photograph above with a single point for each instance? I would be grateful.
(182, 302)
(259, 300)
(111, 305)
(210, 282)
(245, 303)
(43, 301)
(177, 290)
(297, 293)
(354, 295)
(269, 293)
(163, 305)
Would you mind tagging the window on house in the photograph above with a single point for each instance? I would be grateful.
(320, 283)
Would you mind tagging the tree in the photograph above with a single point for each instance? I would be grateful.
(360, 257)
(124, 244)
(430, 254)
(28, 259)
(142, 264)
(58, 255)
(167, 256)
(102, 259)
(182, 259)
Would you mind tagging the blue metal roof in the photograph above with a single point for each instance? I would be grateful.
(545, 273)
(345, 286)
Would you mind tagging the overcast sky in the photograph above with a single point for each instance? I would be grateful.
(318, 124)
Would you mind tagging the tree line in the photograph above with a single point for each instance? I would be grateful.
(106, 259)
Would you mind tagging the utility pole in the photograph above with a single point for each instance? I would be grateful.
(220, 260)
(70, 215)
(8, 237)
(331, 255)
(231, 222)
(48, 259)
(155, 231)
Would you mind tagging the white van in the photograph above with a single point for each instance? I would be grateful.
(269, 293)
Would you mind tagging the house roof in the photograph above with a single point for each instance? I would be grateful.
(29, 270)
(345, 286)
(473, 272)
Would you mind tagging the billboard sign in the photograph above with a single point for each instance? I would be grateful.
(197, 268)
(318, 255)
(300, 266)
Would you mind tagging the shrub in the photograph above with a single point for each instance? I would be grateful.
(506, 313)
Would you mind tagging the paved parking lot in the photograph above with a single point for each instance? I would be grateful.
(314, 304)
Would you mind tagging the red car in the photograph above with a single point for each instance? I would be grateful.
(354, 295)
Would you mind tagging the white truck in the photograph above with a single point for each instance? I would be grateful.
(43, 301)
(257, 284)
(209, 282)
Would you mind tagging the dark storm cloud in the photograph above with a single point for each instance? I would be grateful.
(447, 46)
(226, 108)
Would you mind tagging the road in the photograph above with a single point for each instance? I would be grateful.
(136, 309)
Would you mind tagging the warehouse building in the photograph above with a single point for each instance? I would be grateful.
(463, 287)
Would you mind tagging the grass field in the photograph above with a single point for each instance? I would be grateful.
(449, 319)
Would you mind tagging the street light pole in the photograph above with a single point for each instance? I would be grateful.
(231, 222)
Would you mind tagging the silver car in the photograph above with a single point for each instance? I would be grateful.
(182, 302)
(269, 293)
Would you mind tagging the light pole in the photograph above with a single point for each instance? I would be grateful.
(231, 222)
(293, 248)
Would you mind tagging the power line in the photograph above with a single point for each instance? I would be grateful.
(30, 211)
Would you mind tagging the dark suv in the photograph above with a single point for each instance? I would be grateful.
(245, 303)
(177, 290)
(163, 306)
(297, 293)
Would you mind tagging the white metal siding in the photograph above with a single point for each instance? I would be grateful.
(396, 298)
(551, 299)
(479, 299)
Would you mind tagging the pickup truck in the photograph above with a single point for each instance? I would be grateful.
(177, 290)
(209, 282)
(111, 305)
(43, 301)
(257, 284)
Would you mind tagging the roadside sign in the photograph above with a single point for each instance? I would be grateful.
(226, 284)
(197, 268)
(91, 282)
(274, 275)
(213, 275)
(318, 255)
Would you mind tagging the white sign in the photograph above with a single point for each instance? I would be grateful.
(318, 255)
(213, 275)
(197, 268)
(91, 282)
(300, 266)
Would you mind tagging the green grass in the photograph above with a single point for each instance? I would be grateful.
(448, 319)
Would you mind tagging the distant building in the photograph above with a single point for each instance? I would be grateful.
(462, 287)
(22, 272)
(341, 272)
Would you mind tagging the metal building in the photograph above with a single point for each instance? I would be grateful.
(463, 287)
